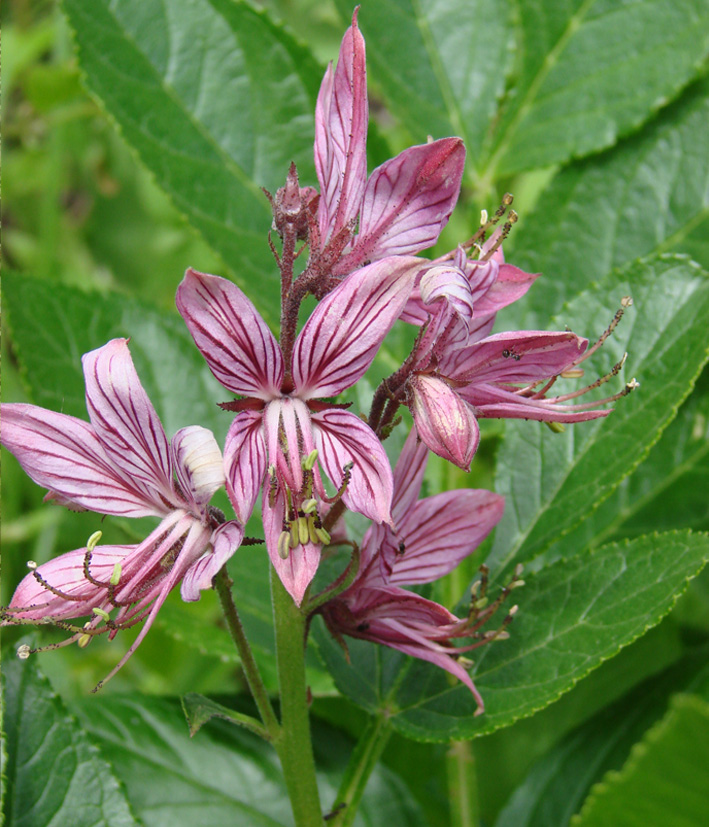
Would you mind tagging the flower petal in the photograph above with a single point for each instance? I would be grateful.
(63, 454)
(342, 438)
(239, 348)
(198, 463)
(245, 462)
(443, 420)
(341, 338)
(225, 541)
(491, 402)
(125, 420)
(341, 120)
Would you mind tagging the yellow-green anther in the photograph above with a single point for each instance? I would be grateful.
(323, 536)
(294, 539)
(310, 460)
(271, 470)
(572, 373)
(303, 533)
(309, 506)
(92, 542)
(116, 574)
(284, 545)
(83, 641)
(481, 603)
(555, 427)
(311, 531)
(101, 613)
(483, 218)
(23, 651)
(31, 565)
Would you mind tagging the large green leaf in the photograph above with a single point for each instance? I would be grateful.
(665, 779)
(223, 775)
(54, 774)
(441, 65)
(53, 325)
(551, 481)
(217, 101)
(572, 615)
(558, 783)
(592, 71)
(646, 195)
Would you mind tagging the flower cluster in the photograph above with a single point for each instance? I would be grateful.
(291, 443)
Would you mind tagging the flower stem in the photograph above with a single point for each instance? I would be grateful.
(223, 584)
(294, 744)
(363, 760)
(462, 785)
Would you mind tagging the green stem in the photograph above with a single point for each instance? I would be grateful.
(294, 744)
(462, 785)
(223, 584)
(363, 760)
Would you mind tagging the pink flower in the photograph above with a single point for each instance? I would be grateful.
(281, 427)
(403, 206)
(433, 535)
(121, 464)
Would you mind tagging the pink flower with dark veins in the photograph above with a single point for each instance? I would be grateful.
(121, 464)
(433, 536)
(282, 428)
(405, 203)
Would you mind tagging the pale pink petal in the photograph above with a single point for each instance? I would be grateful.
(342, 438)
(408, 477)
(441, 531)
(341, 120)
(443, 420)
(239, 348)
(245, 462)
(63, 454)
(225, 541)
(341, 338)
(126, 422)
(298, 570)
(409, 199)
(445, 291)
(491, 402)
(511, 284)
(198, 464)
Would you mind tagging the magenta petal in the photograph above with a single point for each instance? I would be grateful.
(445, 283)
(225, 541)
(342, 438)
(341, 120)
(341, 338)
(441, 531)
(125, 420)
(409, 199)
(245, 462)
(511, 284)
(239, 348)
(492, 402)
(63, 454)
(443, 420)
(408, 477)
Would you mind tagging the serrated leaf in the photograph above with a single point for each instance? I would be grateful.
(664, 781)
(217, 101)
(557, 784)
(592, 71)
(223, 775)
(55, 775)
(441, 65)
(645, 196)
(572, 615)
(551, 481)
(53, 325)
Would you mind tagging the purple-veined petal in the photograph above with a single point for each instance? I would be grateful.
(341, 121)
(239, 348)
(520, 356)
(299, 568)
(245, 462)
(125, 420)
(447, 284)
(225, 541)
(63, 454)
(409, 199)
(198, 464)
(344, 333)
(511, 284)
(442, 530)
(408, 477)
(342, 438)
(443, 420)
(491, 402)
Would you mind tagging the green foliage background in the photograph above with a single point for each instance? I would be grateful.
(595, 115)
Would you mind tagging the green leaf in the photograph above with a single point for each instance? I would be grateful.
(558, 783)
(647, 195)
(573, 615)
(441, 74)
(223, 775)
(53, 325)
(55, 775)
(664, 781)
(198, 710)
(592, 71)
(217, 101)
(551, 481)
